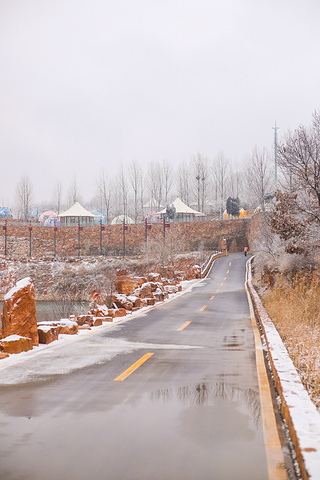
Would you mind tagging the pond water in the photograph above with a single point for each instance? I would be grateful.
(53, 311)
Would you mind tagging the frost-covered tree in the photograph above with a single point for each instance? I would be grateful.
(296, 217)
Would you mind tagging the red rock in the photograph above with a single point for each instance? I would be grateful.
(140, 280)
(68, 327)
(84, 327)
(99, 311)
(82, 319)
(16, 344)
(3, 355)
(120, 312)
(121, 271)
(145, 291)
(106, 319)
(48, 333)
(125, 284)
(122, 301)
(97, 322)
(19, 311)
(154, 277)
(151, 301)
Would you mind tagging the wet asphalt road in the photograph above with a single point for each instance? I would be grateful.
(191, 411)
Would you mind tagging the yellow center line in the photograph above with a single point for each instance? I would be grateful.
(211, 298)
(217, 290)
(225, 278)
(230, 264)
(228, 271)
(183, 326)
(133, 367)
(221, 284)
(202, 308)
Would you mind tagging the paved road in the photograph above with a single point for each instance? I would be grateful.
(190, 408)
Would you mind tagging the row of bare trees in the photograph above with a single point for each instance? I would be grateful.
(203, 183)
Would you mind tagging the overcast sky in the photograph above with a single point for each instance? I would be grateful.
(88, 86)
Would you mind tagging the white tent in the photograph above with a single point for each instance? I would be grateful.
(122, 218)
(76, 214)
(183, 212)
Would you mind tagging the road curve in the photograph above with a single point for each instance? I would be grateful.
(175, 393)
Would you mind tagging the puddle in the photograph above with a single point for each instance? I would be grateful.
(193, 432)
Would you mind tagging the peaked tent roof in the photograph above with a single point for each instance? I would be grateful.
(76, 211)
(182, 208)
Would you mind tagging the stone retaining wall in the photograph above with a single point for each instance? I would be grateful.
(188, 236)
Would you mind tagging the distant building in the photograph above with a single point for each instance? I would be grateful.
(76, 214)
(183, 213)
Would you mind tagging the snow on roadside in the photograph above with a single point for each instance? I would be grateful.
(300, 413)
(187, 286)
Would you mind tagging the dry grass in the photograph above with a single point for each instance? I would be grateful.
(295, 310)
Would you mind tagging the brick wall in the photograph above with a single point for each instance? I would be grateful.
(188, 236)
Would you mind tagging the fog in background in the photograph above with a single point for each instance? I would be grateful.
(90, 86)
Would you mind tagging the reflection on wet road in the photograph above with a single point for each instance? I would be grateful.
(187, 406)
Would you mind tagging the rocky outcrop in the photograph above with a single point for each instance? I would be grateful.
(19, 311)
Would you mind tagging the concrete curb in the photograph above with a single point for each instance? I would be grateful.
(301, 415)
(207, 265)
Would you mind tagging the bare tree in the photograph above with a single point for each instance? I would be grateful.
(299, 158)
(74, 193)
(201, 179)
(24, 197)
(155, 182)
(260, 175)
(167, 176)
(135, 178)
(221, 178)
(57, 196)
(184, 183)
(104, 187)
(122, 187)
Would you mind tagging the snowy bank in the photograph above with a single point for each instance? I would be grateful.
(300, 413)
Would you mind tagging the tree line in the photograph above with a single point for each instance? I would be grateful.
(203, 183)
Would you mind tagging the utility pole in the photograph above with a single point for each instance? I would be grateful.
(275, 128)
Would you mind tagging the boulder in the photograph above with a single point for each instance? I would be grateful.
(97, 322)
(117, 312)
(145, 291)
(82, 319)
(19, 311)
(48, 333)
(16, 344)
(154, 277)
(99, 311)
(151, 301)
(136, 301)
(125, 284)
(3, 355)
(122, 301)
(68, 327)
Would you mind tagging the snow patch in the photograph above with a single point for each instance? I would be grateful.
(19, 286)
